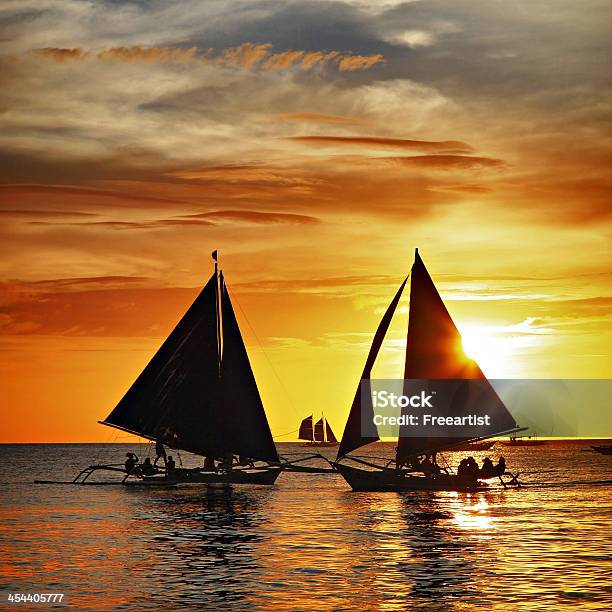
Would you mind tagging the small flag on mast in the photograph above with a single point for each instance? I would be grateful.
(214, 255)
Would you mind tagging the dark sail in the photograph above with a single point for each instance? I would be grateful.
(244, 428)
(330, 434)
(318, 431)
(306, 432)
(175, 398)
(352, 438)
(189, 398)
(434, 351)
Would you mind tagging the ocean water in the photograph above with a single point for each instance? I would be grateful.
(308, 542)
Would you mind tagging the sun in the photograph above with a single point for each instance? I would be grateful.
(490, 351)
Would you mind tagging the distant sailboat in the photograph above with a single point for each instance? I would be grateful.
(433, 351)
(474, 446)
(604, 449)
(524, 441)
(319, 435)
(198, 394)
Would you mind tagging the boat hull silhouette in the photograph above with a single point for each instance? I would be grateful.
(400, 480)
(258, 476)
(392, 480)
(263, 476)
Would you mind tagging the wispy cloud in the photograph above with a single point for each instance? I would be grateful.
(212, 218)
(378, 142)
(447, 162)
(255, 216)
(320, 118)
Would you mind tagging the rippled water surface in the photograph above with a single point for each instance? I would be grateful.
(308, 543)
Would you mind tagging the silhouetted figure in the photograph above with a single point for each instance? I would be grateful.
(170, 466)
(160, 452)
(414, 463)
(500, 468)
(209, 464)
(226, 462)
(147, 468)
(468, 469)
(244, 461)
(428, 467)
(130, 462)
(473, 469)
(488, 469)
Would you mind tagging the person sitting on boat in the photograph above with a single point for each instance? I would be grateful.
(468, 469)
(413, 463)
(209, 464)
(226, 462)
(130, 462)
(488, 469)
(160, 451)
(244, 461)
(147, 468)
(500, 468)
(473, 466)
(170, 466)
(428, 467)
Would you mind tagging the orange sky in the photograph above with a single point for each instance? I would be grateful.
(315, 145)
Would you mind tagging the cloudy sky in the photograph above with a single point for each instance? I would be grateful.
(315, 144)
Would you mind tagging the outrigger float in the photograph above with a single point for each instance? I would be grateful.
(198, 394)
(262, 476)
(257, 475)
(433, 352)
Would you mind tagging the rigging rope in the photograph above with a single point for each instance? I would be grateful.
(288, 396)
(286, 434)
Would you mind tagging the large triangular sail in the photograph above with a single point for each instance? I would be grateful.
(245, 425)
(198, 393)
(352, 438)
(434, 350)
(176, 396)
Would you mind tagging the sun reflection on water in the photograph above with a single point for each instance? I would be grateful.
(472, 514)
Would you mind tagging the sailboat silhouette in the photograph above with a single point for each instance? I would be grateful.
(433, 351)
(320, 434)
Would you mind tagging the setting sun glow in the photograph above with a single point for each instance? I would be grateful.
(492, 353)
(315, 164)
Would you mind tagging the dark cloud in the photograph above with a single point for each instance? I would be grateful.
(76, 284)
(211, 218)
(42, 214)
(447, 162)
(377, 142)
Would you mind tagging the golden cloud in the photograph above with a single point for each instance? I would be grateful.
(161, 55)
(246, 56)
(62, 55)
